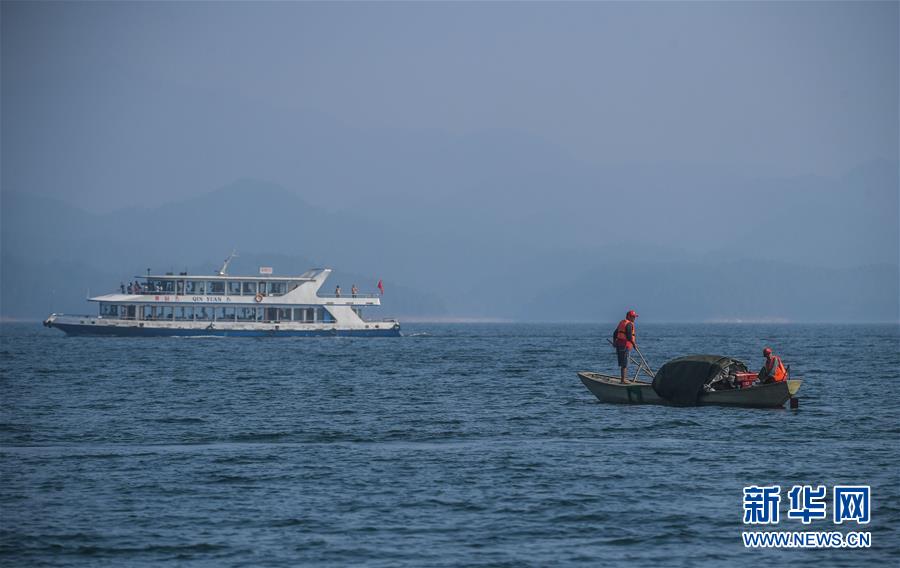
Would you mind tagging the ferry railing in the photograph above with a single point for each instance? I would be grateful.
(231, 320)
(349, 296)
(147, 291)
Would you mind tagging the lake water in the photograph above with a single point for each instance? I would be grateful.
(454, 445)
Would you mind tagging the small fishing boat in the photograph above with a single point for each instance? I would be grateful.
(695, 380)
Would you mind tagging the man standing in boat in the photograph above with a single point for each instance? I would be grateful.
(624, 339)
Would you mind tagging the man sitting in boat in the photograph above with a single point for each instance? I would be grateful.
(773, 371)
(624, 339)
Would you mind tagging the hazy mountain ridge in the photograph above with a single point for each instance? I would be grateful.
(536, 261)
(724, 290)
(52, 253)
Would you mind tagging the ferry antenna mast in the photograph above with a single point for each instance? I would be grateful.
(225, 264)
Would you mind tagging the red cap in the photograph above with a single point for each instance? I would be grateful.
(631, 315)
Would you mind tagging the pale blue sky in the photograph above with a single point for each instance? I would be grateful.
(772, 88)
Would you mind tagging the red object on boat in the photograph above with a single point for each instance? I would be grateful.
(745, 379)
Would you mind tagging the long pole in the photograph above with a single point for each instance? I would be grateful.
(639, 368)
(649, 370)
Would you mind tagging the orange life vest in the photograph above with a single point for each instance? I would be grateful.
(779, 373)
(620, 338)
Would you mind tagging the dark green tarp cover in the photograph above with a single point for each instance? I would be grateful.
(681, 380)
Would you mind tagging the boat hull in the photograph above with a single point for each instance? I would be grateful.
(97, 327)
(608, 388)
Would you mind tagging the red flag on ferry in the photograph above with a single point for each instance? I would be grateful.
(381, 287)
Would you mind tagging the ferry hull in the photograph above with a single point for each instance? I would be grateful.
(119, 330)
(77, 329)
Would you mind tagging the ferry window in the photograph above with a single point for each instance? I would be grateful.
(249, 288)
(165, 312)
(203, 313)
(271, 314)
(299, 314)
(184, 313)
(224, 314)
(169, 286)
(284, 314)
(234, 288)
(131, 312)
(195, 287)
(262, 288)
(277, 288)
(326, 316)
(246, 314)
(215, 287)
(179, 287)
(108, 310)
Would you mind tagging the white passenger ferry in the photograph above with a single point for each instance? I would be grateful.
(229, 306)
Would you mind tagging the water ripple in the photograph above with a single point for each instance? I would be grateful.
(453, 445)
